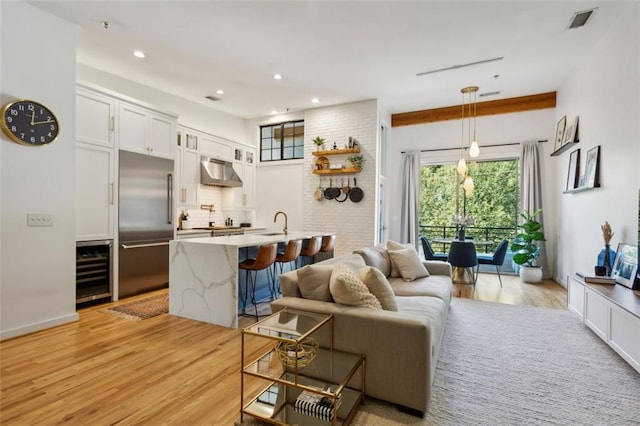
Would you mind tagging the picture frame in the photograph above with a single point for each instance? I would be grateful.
(573, 175)
(560, 127)
(592, 168)
(625, 265)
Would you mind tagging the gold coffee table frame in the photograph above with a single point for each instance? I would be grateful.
(329, 374)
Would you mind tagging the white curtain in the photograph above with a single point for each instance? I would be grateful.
(531, 192)
(410, 204)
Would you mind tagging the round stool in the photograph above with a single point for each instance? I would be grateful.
(463, 259)
(264, 260)
(290, 254)
(311, 249)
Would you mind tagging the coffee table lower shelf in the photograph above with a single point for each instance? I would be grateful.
(282, 410)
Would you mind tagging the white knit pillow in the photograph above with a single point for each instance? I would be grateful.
(347, 289)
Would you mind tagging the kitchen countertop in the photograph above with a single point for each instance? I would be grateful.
(250, 240)
(203, 231)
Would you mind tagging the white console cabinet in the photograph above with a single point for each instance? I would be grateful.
(610, 311)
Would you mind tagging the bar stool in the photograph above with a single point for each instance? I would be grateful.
(326, 249)
(311, 249)
(264, 260)
(463, 259)
(290, 255)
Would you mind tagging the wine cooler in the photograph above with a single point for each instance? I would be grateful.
(94, 276)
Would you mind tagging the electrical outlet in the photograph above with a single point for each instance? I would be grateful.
(39, 219)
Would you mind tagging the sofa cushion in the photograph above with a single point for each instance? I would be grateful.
(435, 286)
(313, 281)
(347, 289)
(392, 245)
(408, 263)
(376, 257)
(377, 284)
(434, 309)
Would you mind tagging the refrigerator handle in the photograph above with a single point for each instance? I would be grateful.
(170, 198)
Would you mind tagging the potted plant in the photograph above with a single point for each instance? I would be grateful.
(525, 251)
(319, 142)
(356, 160)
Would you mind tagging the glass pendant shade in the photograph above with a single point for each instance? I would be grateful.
(462, 166)
(468, 185)
(474, 151)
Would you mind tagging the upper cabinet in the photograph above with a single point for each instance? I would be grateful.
(95, 118)
(145, 131)
(187, 168)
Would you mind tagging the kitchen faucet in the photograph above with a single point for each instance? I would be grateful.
(285, 221)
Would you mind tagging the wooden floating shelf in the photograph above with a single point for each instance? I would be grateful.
(337, 151)
(345, 171)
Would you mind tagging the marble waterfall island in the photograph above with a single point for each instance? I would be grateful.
(203, 274)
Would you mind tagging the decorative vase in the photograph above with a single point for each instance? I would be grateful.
(605, 258)
(461, 234)
(530, 274)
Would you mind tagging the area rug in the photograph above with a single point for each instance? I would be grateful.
(141, 309)
(517, 365)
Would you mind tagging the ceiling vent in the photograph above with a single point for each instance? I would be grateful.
(212, 98)
(580, 19)
(455, 67)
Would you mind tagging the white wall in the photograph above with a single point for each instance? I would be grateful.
(491, 130)
(190, 114)
(604, 91)
(37, 264)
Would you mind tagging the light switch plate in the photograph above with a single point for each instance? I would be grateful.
(39, 219)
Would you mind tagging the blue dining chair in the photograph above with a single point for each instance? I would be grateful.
(428, 251)
(497, 258)
(463, 259)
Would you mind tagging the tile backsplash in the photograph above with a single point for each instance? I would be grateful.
(199, 218)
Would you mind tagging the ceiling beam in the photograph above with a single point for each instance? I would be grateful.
(501, 106)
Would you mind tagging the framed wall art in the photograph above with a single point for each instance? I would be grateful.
(560, 127)
(592, 168)
(573, 175)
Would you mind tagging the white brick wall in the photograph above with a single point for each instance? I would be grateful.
(354, 223)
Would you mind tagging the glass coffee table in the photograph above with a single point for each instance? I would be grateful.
(296, 380)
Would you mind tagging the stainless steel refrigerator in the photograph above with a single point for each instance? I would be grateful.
(145, 222)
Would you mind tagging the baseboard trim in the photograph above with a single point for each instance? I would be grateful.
(32, 328)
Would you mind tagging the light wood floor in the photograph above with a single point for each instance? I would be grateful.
(104, 370)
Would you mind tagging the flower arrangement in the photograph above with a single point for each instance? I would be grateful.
(463, 220)
(607, 233)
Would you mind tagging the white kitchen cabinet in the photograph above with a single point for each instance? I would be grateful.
(243, 197)
(211, 146)
(187, 168)
(95, 114)
(145, 131)
(95, 192)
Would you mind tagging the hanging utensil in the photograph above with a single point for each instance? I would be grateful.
(329, 192)
(347, 188)
(355, 194)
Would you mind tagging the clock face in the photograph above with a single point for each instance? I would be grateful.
(29, 123)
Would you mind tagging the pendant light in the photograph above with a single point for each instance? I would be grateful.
(474, 149)
(468, 185)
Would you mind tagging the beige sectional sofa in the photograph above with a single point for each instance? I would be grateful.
(402, 346)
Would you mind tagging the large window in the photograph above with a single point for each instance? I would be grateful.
(493, 203)
(284, 141)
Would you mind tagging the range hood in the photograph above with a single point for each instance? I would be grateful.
(218, 173)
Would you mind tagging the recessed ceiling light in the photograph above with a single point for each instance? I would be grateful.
(220, 92)
(138, 54)
(277, 77)
(273, 112)
(315, 100)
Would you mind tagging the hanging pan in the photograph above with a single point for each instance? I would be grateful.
(345, 191)
(355, 193)
(319, 194)
(330, 193)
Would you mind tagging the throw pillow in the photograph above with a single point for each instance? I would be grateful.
(376, 257)
(378, 284)
(392, 245)
(348, 289)
(313, 282)
(408, 263)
